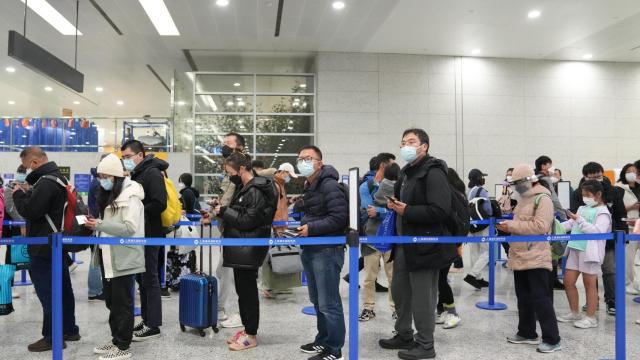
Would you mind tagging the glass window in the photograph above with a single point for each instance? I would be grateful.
(284, 124)
(224, 103)
(224, 83)
(212, 144)
(209, 164)
(208, 184)
(222, 124)
(284, 104)
(284, 84)
(281, 144)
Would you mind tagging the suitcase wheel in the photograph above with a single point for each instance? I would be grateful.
(215, 329)
(201, 332)
(182, 328)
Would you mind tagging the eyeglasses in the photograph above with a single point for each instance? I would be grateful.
(129, 156)
(595, 177)
(307, 160)
(410, 143)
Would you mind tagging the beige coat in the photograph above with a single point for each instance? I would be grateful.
(527, 221)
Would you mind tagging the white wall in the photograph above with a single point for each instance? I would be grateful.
(485, 113)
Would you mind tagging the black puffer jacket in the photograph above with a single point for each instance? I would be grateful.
(149, 174)
(325, 206)
(425, 189)
(249, 215)
(46, 197)
(189, 198)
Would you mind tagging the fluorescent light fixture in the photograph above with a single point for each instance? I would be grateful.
(239, 98)
(303, 86)
(99, 89)
(48, 89)
(11, 102)
(229, 103)
(338, 5)
(222, 3)
(587, 56)
(236, 84)
(534, 14)
(160, 17)
(475, 52)
(120, 102)
(240, 103)
(10, 69)
(76, 102)
(52, 16)
(180, 103)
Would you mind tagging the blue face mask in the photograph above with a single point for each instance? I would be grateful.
(106, 184)
(408, 153)
(129, 164)
(306, 168)
(21, 177)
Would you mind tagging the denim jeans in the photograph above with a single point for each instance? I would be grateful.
(322, 267)
(94, 279)
(40, 273)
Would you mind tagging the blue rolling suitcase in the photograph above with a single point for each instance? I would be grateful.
(199, 300)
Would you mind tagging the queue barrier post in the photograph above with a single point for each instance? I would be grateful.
(56, 301)
(23, 279)
(353, 241)
(491, 304)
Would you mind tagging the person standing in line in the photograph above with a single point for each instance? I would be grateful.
(479, 253)
(627, 183)
(11, 213)
(94, 277)
(531, 262)
(147, 170)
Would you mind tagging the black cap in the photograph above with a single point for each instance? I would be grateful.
(476, 174)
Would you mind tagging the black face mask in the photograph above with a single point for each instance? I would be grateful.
(226, 151)
(235, 179)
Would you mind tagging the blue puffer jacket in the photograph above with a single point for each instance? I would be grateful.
(324, 205)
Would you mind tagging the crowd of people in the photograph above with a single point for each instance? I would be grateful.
(129, 195)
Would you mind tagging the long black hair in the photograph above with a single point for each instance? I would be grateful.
(108, 198)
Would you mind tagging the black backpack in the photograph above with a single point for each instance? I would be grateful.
(477, 212)
(459, 221)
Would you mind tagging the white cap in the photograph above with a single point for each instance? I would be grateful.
(288, 168)
(111, 165)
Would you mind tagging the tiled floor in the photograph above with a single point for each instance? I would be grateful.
(283, 328)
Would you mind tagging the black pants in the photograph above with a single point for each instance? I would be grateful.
(161, 265)
(553, 277)
(532, 291)
(119, 301)
(247, 289)
(445, 294)
(150, 300)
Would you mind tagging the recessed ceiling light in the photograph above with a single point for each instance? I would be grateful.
(534, 14)
(48, 88)
(180, 103)
(236, 84)
(475, 52)
(587, 56)
(229, 103)
(120, 102)
(76, 102)
(10, 69)
(11, 102)
(52, 16)
(99, 89)
(160, 17)
(338, 5)
(240, 103)
(239, 98)
(303, 86)
(222, 3)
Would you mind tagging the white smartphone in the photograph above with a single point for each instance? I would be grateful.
(82, 219)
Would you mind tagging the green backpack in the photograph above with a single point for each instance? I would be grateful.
(557, 247)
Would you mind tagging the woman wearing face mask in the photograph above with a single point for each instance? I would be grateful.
(478, 252)
(249, 215)
(188, 194)
(121, 215)
(11, 213)
(586, 257)
(627, 182)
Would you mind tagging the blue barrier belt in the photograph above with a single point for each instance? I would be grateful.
(25, 241)
(478, 239)
(13, 223)
(333, 240)
(632, 237)
(215, 223)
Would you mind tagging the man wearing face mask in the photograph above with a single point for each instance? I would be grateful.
(147, 171)
(326, 213)
(45, 198)
(546, 175)
(422, 202)
(531, 262)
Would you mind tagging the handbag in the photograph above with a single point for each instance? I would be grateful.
(285, 259)
(19, 254)
(386, 228)
(186, 232)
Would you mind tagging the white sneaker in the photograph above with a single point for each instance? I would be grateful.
(451, 321)
(73, 267)
(233, 321)
(570, 317)
(441, 318)
(632, 291)
(586, 323)
(104, 349)
(116, 354)
(15, 295)
(222, 316)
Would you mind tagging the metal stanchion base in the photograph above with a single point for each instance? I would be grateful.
(79, 262)
(22, 283)
(309, 310)
(137, 311)
(486, 306)
(637, 299)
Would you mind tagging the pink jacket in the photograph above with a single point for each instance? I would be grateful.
(527, 221)
(1, 209)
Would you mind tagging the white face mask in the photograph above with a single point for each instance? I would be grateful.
(509, 179)
(590, 202)
(554, 180)
(631, 177)
(180, 185)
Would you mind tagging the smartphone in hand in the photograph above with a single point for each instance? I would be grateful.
(391, 198)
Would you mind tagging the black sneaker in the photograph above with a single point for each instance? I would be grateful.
(146, 333)
(381, 289)
(312, 348)
(367, 315)
(558, 285)
(138, 327)
(100, 297)
(325, 355)
(397, 343)
(68, 337)
(417, 353)
(471, 280)
(164, 293)
(611, 308)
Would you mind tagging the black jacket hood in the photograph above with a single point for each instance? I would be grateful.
(50, 168)
(195, 191)
(326, 172)
(150, 161)
(424, 165)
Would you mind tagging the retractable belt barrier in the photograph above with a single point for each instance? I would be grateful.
(353, 240)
